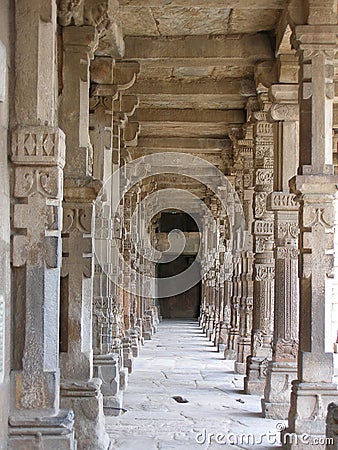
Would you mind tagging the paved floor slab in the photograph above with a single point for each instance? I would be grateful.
(181, 361)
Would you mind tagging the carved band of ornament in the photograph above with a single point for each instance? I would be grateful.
(286, 349)
(247, 180)
(285, 112)
(287, 253)
(77, 218)
(264, 150)
(318, 217)
(246, 143)
(288, 230)
(264, 128)
(309, 53)
(279, 201)
(262, 227)
(38, 146)
(260, 337)
(46, 181)
(264, 176)
(264, 273)
(260, 116)
(260, 243)
(260, 203)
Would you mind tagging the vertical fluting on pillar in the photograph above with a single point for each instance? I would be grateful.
(38, 157)
(264, 268)
(316, 190)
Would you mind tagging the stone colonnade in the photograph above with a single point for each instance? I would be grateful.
(73, 129)
(275, 303)
(81, 313)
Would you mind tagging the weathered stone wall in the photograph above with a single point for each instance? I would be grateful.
(5, 54)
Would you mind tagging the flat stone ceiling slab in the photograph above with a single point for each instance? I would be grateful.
(190, 20)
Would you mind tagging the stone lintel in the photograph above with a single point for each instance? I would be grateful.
(249, 47)
(190, 115)
(314, 37)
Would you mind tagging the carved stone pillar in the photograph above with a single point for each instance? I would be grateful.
(38, 156)
(316, 190)
(79, 390)
(106, 363)
(283, 367)
(264, 268)
(246, 301)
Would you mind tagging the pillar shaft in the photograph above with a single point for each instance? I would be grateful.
(264, 269)
(316, 190)
(79, 390)
(38, 155)
(282, 368)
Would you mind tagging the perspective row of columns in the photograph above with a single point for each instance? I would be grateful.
(69, 143)
(270, 314)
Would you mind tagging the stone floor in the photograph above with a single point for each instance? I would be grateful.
(180, 361)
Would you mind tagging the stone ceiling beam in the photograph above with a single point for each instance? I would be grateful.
(203, 144)
(248, 48)
(244, 87)
(181, 129)
(191, 101)
(190, 115)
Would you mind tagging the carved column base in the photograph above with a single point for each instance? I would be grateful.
(135, 343)
(231, 351)
(244, 349)
(332, 426)
(215, 333)
(254, 382)
(127, 354)
(123, 379)
(210, 328)
(223, 338)
(53, 432)
(106, 367)
(276, 401)
(309, 403)
(86, 400)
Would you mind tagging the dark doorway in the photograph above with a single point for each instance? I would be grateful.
(185, 305)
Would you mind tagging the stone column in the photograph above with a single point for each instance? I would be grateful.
(316, 190)
(106, 363)
(264, 267)
(38, 156)
(283, 367)
(79, 390)
(246, 301)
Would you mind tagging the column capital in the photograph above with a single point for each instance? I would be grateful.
(81, 40)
